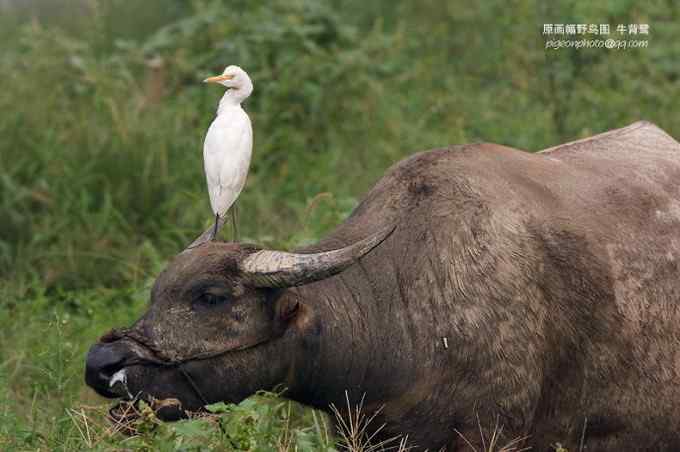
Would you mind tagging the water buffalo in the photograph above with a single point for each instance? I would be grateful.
(472, 284)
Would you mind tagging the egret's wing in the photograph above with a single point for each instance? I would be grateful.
(214, 147)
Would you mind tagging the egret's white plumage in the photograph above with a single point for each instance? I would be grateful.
(229, 142)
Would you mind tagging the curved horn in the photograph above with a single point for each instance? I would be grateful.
(267, 268)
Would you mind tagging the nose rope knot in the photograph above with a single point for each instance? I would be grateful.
(160, 357)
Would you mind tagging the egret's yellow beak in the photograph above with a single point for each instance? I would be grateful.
(218, 78)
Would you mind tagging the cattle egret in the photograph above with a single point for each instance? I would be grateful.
(228, 145)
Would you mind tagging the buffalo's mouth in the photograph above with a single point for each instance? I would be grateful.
(130, 372)
(133, 409)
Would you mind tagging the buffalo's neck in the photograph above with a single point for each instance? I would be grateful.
(351, 340)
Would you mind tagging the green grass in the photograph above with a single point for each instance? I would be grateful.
(103, 117)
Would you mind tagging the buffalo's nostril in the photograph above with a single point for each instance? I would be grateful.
(103, 361)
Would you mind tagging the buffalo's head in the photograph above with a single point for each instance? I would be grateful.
(217, 328)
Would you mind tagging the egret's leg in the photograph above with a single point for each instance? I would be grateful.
(234, 228)
(213, 235)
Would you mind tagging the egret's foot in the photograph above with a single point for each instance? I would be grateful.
(213, 234)
(207, 235)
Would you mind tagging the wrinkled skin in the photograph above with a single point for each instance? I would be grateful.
(554, 278)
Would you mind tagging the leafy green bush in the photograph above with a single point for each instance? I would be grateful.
(103, 152)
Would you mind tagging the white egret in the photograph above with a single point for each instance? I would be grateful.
(228, 145)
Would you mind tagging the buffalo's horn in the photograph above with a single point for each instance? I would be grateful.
(267, 268)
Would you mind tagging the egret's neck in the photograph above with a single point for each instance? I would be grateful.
(227, 102)
(233, 98)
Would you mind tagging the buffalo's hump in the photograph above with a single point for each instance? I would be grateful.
(553, 276)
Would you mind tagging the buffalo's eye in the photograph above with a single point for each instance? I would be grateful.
(212, 299)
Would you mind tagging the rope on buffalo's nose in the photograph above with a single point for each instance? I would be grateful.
(161, 359)
(117, 334)
(184, 372)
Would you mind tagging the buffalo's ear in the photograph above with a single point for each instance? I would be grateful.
(266, 268)
(287, 308)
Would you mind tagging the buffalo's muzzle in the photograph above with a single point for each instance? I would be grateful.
(104, 360)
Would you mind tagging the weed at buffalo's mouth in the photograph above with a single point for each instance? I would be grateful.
(134, 417)
(264, 422)
(131, 418)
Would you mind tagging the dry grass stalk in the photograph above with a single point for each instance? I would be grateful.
(353, 430)
(514, 445)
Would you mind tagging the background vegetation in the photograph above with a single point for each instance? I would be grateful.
(103, 117)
